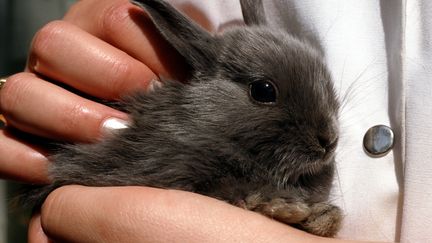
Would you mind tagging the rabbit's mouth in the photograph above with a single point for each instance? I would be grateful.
(288, 173)
(324, 153)
(316, 166)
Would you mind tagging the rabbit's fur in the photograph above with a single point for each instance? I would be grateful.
(211, 137)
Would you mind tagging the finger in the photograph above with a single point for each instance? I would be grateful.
(35, 232)
(127, 27)
(137, 214)
(21, 161)
(68, 54)
(42, 108)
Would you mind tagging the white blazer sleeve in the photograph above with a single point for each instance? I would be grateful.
(417, 203)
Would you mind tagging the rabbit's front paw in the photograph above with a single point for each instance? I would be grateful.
(280, 209)
(324, 220)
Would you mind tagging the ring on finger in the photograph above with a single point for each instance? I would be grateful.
(2, 82)
(2, 120)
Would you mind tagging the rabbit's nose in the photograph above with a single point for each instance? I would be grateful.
(327, 143)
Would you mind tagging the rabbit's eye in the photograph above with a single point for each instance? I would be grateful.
(263, 92)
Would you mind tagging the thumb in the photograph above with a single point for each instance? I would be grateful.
(143, 214)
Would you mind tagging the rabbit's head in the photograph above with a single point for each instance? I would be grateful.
(267, 92)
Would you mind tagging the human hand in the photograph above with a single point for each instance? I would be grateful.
(103, 49)
(143, 214)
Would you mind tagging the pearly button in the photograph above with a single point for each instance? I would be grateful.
(378, 140)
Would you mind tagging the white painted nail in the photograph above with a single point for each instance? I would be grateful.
(153, 85)
(113, 124)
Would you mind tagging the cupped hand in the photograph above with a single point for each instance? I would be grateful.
(141, 214)
(103, 49)
(144, 214)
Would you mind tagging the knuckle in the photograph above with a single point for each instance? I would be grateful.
(75, 114)
(12, 92)
(115, 17)
(121, 71)
(47, 35)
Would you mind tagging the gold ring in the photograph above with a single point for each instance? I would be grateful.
(2, 82)
(2, 121)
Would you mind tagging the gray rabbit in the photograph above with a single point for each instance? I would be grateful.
(255, 125)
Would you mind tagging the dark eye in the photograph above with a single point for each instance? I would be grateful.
(263, 91)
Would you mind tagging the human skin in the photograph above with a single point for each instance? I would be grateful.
(142, 214)
(106, 49)
(102, 48)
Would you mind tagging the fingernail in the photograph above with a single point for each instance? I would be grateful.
(113, 124)
(154, 84)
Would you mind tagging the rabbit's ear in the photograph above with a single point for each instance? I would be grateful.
(253, 12)
(194, 43)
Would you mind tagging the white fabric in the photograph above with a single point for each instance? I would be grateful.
(417, 210)
(379, 53)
